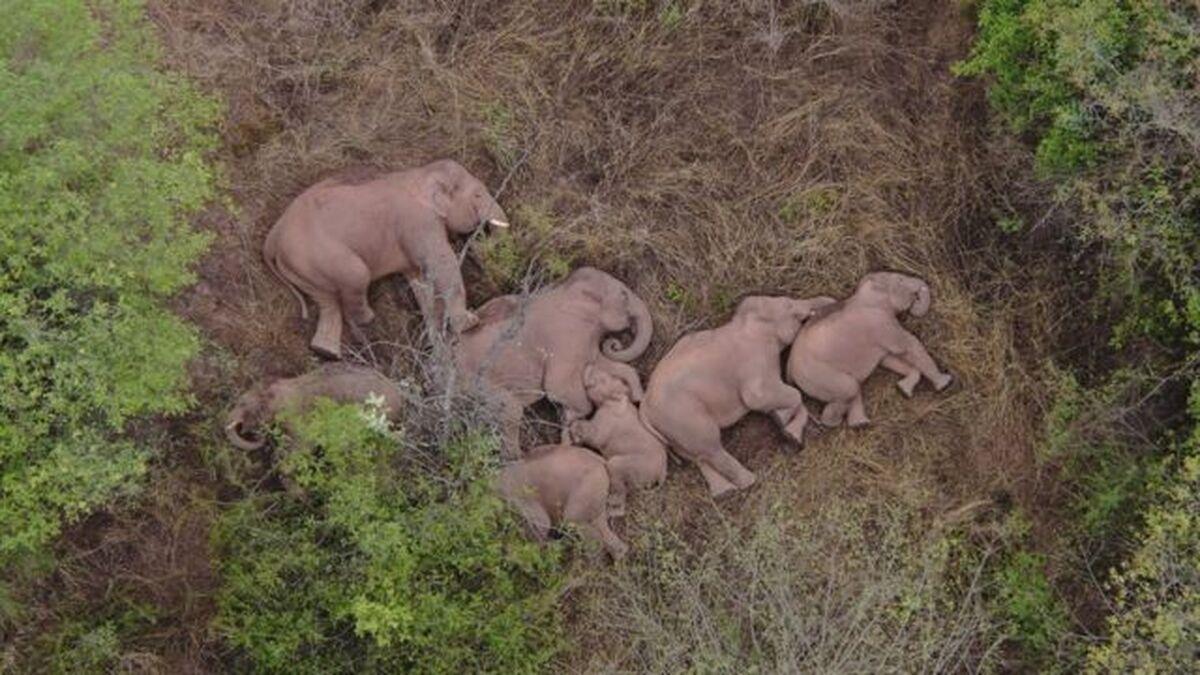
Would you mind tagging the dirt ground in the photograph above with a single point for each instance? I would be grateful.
(697, 150)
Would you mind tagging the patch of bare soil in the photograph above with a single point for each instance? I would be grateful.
(699, 154)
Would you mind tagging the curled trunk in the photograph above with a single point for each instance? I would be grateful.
(643, 330)
(233, 431)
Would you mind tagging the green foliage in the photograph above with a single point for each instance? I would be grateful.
(101, 165)
(384, 559)
(1036, 617)
(1156, 626)
(1109, 91)
(532, 245)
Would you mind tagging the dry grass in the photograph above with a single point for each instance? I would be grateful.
(700, 151)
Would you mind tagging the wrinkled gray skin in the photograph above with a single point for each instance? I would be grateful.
(341, 382)
(836, 352)
(636, 457)
(523, 350)
(558, 484)
(337, 237)
(711, 379)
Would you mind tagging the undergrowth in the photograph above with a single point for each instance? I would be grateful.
(102, 164)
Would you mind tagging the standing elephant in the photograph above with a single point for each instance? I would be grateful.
(341, 382)
(637, 458)
(524, 350)
(337, 237)
(711, 379)
(558, 484)
(835, 353)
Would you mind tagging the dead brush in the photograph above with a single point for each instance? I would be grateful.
(698, 153)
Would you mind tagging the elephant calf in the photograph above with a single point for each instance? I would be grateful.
(341, 382)
(834, 354)
(636, 457)
(709, 380)
(337, 237)
(558, 484)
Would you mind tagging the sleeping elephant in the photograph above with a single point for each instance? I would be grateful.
(526, 349)
(711, 379)
(558, 484)
(337, 237)
(637, 458)
(836, 352)
(341, 382)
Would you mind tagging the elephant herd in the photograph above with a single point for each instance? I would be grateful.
(561, 343)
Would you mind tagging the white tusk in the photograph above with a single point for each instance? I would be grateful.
(497, 223)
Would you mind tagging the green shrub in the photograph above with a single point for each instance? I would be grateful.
(1108, 91)
(102, 161)
(384, 558)
(1036, 617)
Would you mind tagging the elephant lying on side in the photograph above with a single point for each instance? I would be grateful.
(341, 382)
(711, 379)
(558, 484)
(636, 457)
(835, 353)
(523, 350)
(336, 238)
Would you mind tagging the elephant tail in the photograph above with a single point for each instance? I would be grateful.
(273, 264)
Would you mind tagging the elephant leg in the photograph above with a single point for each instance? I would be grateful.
(511, 412)
(784, 403)
(910, 376)
(537, 517)
(857, 415)
(702, 440)
(564, 386)
(327, 341)
(600, 530)
(912, 351)
(623, 473)
(427, 302)
(354, 301)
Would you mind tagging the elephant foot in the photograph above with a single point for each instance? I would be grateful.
(908, 384)
(795, 429)
(326, 349)
(364, 317)
(461, 323)
(942, 381)
(857, 422)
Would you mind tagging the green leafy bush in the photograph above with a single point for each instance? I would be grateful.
(384, 558)
(1109, 91)
(102, 161)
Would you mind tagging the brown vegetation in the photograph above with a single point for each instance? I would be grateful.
(697, 150)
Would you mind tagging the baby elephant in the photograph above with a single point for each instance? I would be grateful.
(558, 484)
(836, 352)
(341, 382)
(636, 457)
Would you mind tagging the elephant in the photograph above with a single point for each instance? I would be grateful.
(341, 382)
(835, 353)
(337, 237)
(711, 379)
(526, 349)
(558, 484)
(637, 458)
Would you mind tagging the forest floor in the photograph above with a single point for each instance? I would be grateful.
(699, 151)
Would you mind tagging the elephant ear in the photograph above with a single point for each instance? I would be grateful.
(440, 196)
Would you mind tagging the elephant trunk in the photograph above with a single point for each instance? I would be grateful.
(921, 305)
(643, 330)
(233, 431)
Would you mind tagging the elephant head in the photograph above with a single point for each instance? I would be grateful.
(250, 412)
(898, 292)
(462, 201)
(618, 309)
(784, 316)
(602, 386)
